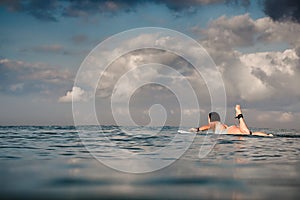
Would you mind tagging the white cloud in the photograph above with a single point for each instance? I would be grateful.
(242, 31)
(284, 62)
(267, 77)
(286, 117)
(276, 73)
(76, 94)
(274, 31)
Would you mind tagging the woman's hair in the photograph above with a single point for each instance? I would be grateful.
(214, 117)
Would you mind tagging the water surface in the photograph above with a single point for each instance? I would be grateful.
(51, 162)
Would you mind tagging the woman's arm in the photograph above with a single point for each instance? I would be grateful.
(202, 128)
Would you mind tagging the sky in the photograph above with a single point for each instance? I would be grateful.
(254, 44)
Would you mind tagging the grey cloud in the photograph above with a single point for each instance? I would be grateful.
(51, 49)
(42, 10)
(52, 10)
(283, 9)
(55, 48)
(260, 74)
(79, 39)
(265, 80)
(283, 76)
(242, 31)
(12, 5)
(144, 97)
(18, 77)
(230, 32)
(298, 50)
(139, 58)
(149, 95)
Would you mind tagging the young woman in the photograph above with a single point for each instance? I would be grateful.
(214, 123)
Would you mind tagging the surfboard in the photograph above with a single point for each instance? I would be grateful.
(259, 135)
(182, 131)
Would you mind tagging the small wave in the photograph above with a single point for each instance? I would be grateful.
(67, 146)
(68, 181)
(192, 181)
(287, 135)
(18, 147)
(226, 142)
(11, 157)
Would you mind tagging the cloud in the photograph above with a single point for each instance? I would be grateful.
(79, 39)
(50, 49)
(279, 10)
(286, 117)
(51, 11)
(264, 117)
(90, 7)
(42, 10)
(272, 119)
(15, 87)
(133, 60)
(278, 74)
(242, 31)
(53, 48)
(268, 31)
(76, 94)
(262, 79)
(283, 9)
(116, 87)
(227, 32)
(19, 77)
(194, 112)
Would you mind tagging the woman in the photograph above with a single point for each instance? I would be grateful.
(215, 125)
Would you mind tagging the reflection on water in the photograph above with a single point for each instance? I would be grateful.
(51, 162)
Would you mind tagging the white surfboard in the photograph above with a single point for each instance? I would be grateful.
(182, 131)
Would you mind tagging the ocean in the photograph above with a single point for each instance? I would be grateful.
(53, 162)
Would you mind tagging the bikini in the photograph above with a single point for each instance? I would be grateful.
(218, 129)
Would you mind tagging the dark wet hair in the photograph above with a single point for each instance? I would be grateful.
(214, 117)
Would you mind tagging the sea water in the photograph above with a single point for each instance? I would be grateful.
(52, 162)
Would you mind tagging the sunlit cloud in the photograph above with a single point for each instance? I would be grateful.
(264, 78)
(76, 94)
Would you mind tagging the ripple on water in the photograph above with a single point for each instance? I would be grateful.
(55, 159)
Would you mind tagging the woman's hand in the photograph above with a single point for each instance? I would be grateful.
(193, 130)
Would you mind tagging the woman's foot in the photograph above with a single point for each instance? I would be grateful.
(238, 110)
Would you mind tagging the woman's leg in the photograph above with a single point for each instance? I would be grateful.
(243, 126)
(235, 130)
